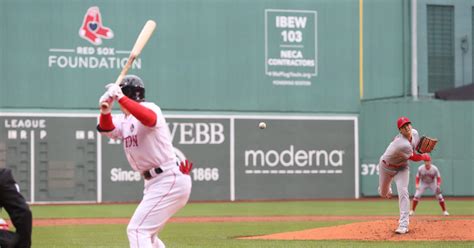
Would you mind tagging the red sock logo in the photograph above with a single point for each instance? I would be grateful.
(92, 28)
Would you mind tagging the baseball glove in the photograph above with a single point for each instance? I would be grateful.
(426, 144)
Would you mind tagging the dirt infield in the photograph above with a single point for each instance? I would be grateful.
(383, 230)
(452, 228)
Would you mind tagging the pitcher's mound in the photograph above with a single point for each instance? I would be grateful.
(422, 230)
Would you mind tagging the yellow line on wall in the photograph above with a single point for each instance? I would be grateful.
(361, 48)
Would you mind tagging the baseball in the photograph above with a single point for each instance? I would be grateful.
(262, 125)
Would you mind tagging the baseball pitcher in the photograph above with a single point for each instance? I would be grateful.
(428, 177)
(393, 166)
(148, 147)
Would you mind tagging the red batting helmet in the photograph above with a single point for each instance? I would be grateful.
(402, 121)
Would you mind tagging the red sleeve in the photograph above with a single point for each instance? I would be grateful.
(417, 181)
(145, 115)
(439, 181)
(105, 123)
(418, 157)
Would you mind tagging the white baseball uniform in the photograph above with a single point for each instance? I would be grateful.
(165, 193)
(393, 165)
(428, 180)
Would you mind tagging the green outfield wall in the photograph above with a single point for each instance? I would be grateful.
(221, 58)
(298, 56)
(445, 61)
(386, 49)
(59, 157)
(205, 55)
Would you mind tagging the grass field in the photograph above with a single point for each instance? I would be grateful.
(222, 234)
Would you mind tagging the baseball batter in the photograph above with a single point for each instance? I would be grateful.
(393, 166)
(148, 147)
(428, 177)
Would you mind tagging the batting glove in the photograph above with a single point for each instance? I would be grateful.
(185, 167)
(107, 99)
(114, 91)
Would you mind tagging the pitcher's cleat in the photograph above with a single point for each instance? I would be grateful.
(401, 230)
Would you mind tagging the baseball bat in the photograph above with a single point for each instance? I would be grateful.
(142, 39)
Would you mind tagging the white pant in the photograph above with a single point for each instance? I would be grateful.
(401, 178)
(423, 186)
(163, 196)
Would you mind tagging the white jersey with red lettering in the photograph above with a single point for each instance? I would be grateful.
(147, 148)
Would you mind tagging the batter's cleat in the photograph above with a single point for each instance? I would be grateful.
(401, 230)
(412, 212)
(445, 213)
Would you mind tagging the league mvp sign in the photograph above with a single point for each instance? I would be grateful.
(295, 157)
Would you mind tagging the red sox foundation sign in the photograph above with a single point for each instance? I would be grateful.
(94, 30)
